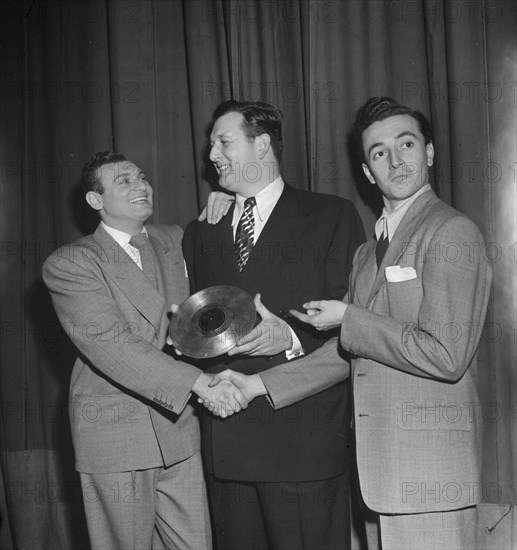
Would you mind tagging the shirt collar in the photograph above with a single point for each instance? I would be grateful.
(393, 219)
(266, 201)
(120, 237)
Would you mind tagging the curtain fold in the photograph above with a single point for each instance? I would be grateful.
(143, 77)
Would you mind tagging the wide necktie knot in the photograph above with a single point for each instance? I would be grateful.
(244, 236)
(143, 245)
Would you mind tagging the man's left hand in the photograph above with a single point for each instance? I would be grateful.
(217, 207)
(322, 314)
(270, 337)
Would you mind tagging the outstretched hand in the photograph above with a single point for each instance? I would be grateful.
(217, 207)
(270, 337)
(250, 387)
(322, 314)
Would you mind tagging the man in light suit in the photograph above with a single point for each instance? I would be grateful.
(412, 321)
(277, 480)
(135, 434)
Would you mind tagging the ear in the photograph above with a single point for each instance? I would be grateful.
(429, 149)
(368, 174)
(94, 200)
(263, 144)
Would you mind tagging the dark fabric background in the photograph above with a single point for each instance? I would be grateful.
(143, 77)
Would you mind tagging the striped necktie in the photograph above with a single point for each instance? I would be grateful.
(244, 240)
(142, 243)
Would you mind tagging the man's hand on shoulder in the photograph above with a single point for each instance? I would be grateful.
(216, 207)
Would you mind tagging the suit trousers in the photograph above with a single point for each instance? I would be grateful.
(451, 530)
(311, 515)
(157, 508)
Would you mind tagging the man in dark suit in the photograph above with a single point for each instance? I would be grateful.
(135, 434)
(412, 322)
(276, 480)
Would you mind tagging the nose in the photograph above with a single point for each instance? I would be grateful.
(140, 184)
(395, 159)
(214, 153)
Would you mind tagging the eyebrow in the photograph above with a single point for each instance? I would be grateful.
(220, 135)
(125, 173)
(402, 134)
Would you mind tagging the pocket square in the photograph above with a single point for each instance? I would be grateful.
(397, 274)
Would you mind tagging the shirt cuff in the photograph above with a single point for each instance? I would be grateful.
(296, 349)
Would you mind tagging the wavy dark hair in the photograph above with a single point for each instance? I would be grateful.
(91, 181)
(381, 108)
(259, 118)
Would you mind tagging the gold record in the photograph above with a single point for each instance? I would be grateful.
(211, 321)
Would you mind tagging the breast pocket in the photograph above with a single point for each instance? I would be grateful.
(404, 299)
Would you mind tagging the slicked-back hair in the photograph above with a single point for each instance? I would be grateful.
(91, 181)
(259, 118)
(381, 108)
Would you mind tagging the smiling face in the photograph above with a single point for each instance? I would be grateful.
(127, 200)
(397, 158)
(237, 158)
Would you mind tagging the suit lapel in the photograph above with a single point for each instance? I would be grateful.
(218, 250)
(126, 274)
(402, 238)
(279, 238)
(276, 241)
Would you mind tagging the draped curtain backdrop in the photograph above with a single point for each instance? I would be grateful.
(142, 77)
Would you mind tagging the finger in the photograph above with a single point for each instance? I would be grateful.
(227, 207)
(301, 316)
(202, 216)
(215, 380)
(315, 304)
(245, 349)
(174, 308)
(240, 399)
(252, 336)
(168, 340)
(222, 208)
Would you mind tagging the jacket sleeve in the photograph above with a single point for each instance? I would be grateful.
(118, 349)
(449, 300)
(295, 380)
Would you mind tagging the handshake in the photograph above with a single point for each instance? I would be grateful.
(228, 392)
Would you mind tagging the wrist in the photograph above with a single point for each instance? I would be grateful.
(256, 385)
(201, 384)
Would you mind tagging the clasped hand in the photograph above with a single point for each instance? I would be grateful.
(220, 396)
(247, 387)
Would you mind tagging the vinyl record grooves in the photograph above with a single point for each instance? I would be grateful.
(210, 322)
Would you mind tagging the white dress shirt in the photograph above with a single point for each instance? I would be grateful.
(266, 202)
(392, 220)
(123, 240)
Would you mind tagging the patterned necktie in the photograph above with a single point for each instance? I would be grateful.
(142, 243)
(380, 248)
(244, 234)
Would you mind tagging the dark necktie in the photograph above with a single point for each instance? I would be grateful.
(141, 242)
(380, 249)
(244, 234)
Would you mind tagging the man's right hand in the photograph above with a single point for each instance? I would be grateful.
(250, 386)
(222, 398)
